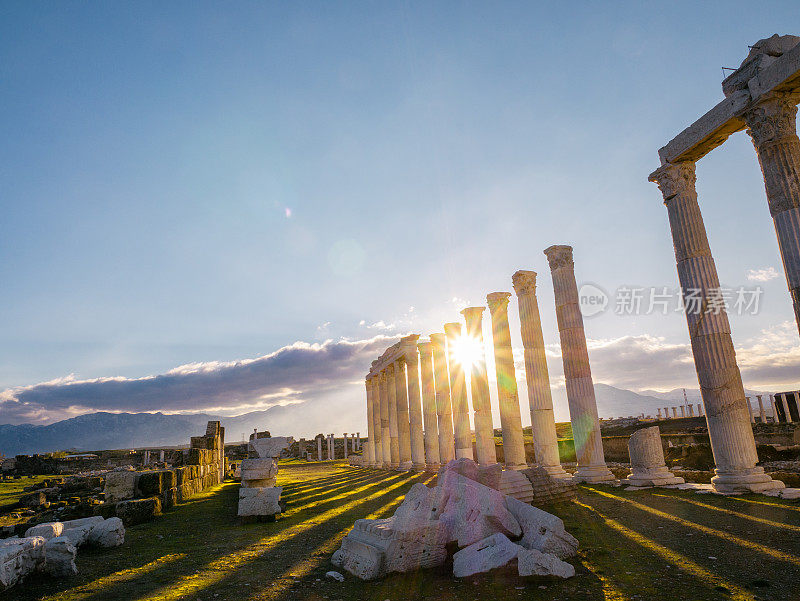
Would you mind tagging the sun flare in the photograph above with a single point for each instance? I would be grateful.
(467, 351)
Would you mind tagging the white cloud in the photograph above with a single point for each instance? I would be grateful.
(765, 274)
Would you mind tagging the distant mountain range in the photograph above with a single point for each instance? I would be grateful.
(97, 431)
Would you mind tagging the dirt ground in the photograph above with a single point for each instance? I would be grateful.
(653, 544)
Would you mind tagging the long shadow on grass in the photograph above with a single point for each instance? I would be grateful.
(209, 516)
(306, 484)
(320, 492)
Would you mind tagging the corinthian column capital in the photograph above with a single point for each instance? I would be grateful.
(497, 301)
(524, 282)
(773, 119)
(424, 350)
(559, 255)
(675, 179)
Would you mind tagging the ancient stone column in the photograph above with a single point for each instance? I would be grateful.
(750, 410)
(786, 412)
(403, 425)
(540, 400)
(772, 126)
(394, 442)
(659, 414)
(331, 450)
(458, 394)
(417, 440)
(429, 408)
(690, 407)
(386, 430)
(507, 396)
(699, 408)
(731, 434)
(369, 453)
(683, 411)
(479, 384)
(444, 410)
(666, 412)
(774, 408)
(675, 412)
(357, 442)
(647, 460)
(577, 372)
(345, 445)
(376, 420)
(319, 448)
(761, 415)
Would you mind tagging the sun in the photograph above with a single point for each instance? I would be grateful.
(467, 351)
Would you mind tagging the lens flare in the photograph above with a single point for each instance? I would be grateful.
(467, 351)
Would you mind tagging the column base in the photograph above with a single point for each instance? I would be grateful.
(516, 467)
(461, 453)
(592, 474)
(418, 467)
(656, 476)
(404, 466)
(747, 480)
(556, 471)
(432, 467)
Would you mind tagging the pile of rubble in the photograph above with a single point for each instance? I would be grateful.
(52, 547)
(491, 529)
(258, 496)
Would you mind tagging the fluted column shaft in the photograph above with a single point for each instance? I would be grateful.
(727, 414)
(540, 400)
(403, 424)
(479, 385)
(417, 440)
(507, 396)
(577, 372)
(444, 410)
(429, 407)
(385, 427)
(786, 412)
(761, 414)
(772, 126)
(458, 394)
(319, 448)
(369, 452)
(376, 420)
(394, 442)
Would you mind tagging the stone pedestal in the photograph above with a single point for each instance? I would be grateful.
(444, 410)
(577, 373)
(647, 460)
(543, 424)
(479, 384)
(510, 418)
(727, 416)
(772, 127)
(431, 435)
(458, 394)
(403, 423)
(417, 440)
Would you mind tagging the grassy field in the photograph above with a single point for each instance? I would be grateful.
(10, 492)
(641, 545)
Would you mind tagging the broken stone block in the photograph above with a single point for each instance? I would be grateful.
(541, 530)
(77, 531)
(473, 511)
(151, 483)
(374, 548)
(34, 499)
(47, 530)
(259, 469)
(487, 475)
(531, 562)
(120, 485)
(19, 557)
(138, 511)
(485, 555)
(108, 533)
(269, 447)
(259, 501)
(59, 557)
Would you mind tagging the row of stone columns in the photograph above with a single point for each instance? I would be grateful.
(423, 423)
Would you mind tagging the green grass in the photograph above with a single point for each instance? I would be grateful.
(634, 546)
(10, 493)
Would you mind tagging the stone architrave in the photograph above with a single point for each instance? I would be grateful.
(394, 443)
(403, 425)
(385, 422)
(369, 452)
(417, 440)
(772, 126)
(444, 410)
(647, 460)
(577, 372)
(731, 434)
(431, 436)
(762, 416)
(479, 384)
(540, 400)
(508, 399)
(458, 394)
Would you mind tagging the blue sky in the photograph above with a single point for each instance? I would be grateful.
(190, 183)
